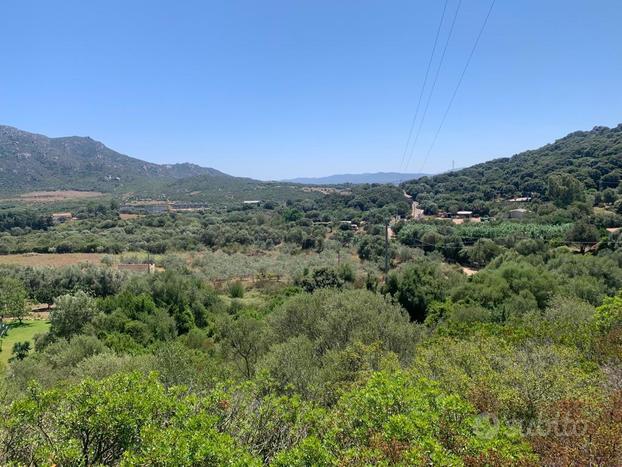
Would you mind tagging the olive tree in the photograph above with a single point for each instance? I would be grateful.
(12, 299)
(71, 314)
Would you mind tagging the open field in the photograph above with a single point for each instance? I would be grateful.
(53, 196)
(20, 333)
(127, 216)
(51, 259)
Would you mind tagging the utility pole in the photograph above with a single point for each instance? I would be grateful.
(386, 248)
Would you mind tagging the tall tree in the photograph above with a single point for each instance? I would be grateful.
(564, 189)
(583, 235)
(72, 312)
(12, 299)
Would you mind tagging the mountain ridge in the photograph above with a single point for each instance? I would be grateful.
(31, 161)
(357, 178)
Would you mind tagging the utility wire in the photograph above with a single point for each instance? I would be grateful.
(438, 70)
(453, 96)
(425, 82)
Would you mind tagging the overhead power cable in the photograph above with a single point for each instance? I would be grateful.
(436, 75)
(425, 82)
(453, 96)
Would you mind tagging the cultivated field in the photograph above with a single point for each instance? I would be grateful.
(54, 196)
(51, 259)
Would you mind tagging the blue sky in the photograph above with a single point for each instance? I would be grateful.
(280, 88)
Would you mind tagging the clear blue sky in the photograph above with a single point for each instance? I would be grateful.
(281, 88)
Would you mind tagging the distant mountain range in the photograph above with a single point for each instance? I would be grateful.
(32, 162)
(357, 179)
(29, 161)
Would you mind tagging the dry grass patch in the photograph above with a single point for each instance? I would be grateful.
(52, 196)
(51, 259)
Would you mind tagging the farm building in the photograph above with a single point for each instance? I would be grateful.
(464, 214)
(348, 225)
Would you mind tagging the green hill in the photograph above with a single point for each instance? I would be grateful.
(30, 162)
(225, 190)
(589, 160)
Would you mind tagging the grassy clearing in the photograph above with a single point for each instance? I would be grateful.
(51, 259)
(20, 333)
(252, 299)
(54, 196)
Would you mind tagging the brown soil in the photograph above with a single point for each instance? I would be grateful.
(51, 259)
(51, 196)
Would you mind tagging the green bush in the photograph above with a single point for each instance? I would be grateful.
(236, 290)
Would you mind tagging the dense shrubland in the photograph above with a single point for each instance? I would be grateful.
(324, 369)
(300, 223)
(579, 167)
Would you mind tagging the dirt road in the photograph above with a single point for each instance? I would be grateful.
(415, 212)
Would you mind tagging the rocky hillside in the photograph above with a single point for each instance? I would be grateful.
(30, 161)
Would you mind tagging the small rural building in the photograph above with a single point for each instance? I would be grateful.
(524, 199)
(251, 202)
(518, 213)
(348, 225)
(58, 217)
(464, 214)
(139, 268)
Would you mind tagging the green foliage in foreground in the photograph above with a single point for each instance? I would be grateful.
(133, 420)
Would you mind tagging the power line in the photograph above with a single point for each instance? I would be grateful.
(436, 75)
(453, 96)
(425, 82)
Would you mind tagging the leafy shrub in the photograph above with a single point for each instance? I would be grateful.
(236, 290)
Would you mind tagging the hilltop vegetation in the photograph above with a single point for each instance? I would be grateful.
(581, 165)
(225, 191)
